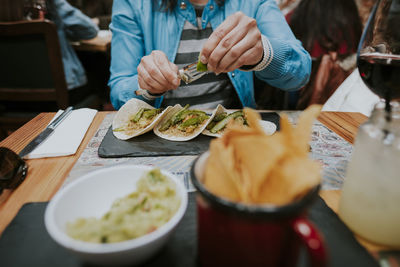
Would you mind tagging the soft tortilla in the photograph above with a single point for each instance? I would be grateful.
(170, 137)
(129, 109)
(268, 127)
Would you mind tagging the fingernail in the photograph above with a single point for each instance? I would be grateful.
(176, 81)
(203, 59)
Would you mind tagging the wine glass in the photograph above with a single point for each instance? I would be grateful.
(379, 51)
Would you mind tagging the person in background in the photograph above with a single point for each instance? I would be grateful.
(97, 63)
(72, 25)
(98, 10)
(338, 29)
(235, 38)
(330, 31)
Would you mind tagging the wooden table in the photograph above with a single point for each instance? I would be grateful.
(101, 43)
(47, 175)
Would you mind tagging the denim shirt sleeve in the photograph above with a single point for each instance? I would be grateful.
(127, 49)
(77, 26)
(290, 67)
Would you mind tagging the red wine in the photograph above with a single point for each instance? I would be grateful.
(381, 73)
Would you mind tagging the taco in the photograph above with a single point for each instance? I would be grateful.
(136, 117)
(222, 117)
(182, 123)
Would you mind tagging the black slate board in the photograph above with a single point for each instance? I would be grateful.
(25, 242)
(150, 145)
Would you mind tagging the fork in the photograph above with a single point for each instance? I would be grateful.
(188, 74)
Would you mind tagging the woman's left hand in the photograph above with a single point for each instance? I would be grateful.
(235, 43)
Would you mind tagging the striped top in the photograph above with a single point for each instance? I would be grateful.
(208, 91)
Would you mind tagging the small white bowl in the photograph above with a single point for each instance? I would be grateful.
(92, 196)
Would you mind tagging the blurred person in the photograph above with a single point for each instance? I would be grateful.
(236, 39)
(98, 10)
(72, 25)
(330, 31)
(97, 63)
(338, 29)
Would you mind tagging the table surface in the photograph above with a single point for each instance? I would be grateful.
(101, 43)
(47, 175)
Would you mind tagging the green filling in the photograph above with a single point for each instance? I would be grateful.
(200, 66)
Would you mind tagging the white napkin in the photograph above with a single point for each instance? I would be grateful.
(67, 136)
(352, 96)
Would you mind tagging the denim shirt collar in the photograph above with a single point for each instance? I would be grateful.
(185, 9)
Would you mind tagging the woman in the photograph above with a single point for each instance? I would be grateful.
(330, 31)
(327, 25)
(152, 39)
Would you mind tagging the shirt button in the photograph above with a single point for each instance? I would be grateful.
(183, 5)
(211, 7)
(233, 74)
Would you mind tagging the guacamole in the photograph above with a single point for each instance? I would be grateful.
(153, 204)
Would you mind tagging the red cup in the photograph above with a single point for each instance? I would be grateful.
(235, 234)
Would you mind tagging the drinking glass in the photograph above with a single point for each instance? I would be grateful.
(379, 51)
(369, 204)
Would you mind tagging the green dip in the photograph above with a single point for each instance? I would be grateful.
(139, 213)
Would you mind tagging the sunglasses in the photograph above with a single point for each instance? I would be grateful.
(13, 169)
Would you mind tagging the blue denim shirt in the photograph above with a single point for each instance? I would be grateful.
(72, 25)
(138, 28)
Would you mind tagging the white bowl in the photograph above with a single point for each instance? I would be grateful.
(92, 195)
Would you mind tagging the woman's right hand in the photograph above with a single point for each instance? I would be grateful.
(157, 74)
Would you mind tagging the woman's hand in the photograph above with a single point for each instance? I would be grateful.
(236, 42)
(157, 74)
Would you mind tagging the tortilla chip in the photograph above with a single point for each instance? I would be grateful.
(257, 163)
(246, 165)
(292, 178)
(303, 129)
(253, 119)
(220, 176)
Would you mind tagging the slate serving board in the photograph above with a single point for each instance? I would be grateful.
(25, 242)
(150, 145)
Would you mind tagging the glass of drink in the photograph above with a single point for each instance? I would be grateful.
(370, 199)
(371, 193)
(379, 51)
